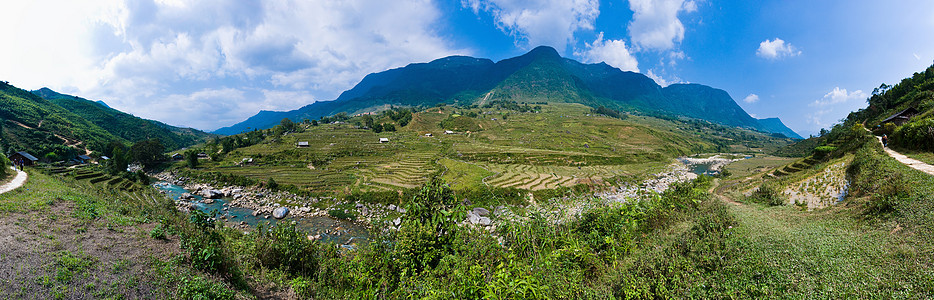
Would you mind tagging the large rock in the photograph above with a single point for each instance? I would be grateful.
(212, 194)
(484, 221)
(473, 218)
(280, 213)
(480, 211)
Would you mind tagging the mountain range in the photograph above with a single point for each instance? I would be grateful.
(537, 76)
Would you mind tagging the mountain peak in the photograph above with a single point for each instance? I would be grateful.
(543, 52)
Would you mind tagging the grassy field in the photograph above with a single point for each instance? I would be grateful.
(560, 146)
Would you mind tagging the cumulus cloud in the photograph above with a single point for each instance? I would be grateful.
(660, 80)
(219, 58)
(612, 52)
(776, 49)
(655, 24)
(752, 98)
(540, 22)
(837, 101)
(838, 95)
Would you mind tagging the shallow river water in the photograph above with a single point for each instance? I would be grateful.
(331, 230)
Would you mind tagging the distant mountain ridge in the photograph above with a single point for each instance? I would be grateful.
(539, 75)
(775, 125)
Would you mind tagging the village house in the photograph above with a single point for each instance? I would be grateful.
(178, 156)
(83, 159)
(23, 159)
(901, 117)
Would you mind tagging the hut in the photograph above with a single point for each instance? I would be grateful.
(83, 159)
(178, 156)
(23, 159)
(302, 144)
(901, 117)
(383, 140)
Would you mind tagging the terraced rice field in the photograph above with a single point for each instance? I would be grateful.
(549, 177)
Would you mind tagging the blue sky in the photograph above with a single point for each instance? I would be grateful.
(209, 64)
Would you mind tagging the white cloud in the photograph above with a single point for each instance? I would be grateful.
(776, 49)
(837, 101)
(612, 52)
(540, 22)
(655, 24)
(660, 80)
(838, 95)
(752, 98)
(184, 54)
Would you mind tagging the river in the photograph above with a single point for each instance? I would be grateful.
(344, 233)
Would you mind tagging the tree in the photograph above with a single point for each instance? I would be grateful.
(287, 124)
(117, 162)
(272, 184)
(377, 128)
(148, 152)
(389, 127)
(368, 121)
(314, 122)
(191, 157)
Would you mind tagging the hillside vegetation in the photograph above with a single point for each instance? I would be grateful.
(530, 147)
(126, 126)
(61, 127)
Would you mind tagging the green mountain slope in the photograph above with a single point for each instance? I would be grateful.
(539, 75)
(45, 129)
(124, 125)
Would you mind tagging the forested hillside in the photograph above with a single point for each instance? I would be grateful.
(45, 129)
(124, 125)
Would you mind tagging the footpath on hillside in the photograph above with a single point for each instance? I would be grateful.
(17, 181)
(913, 163)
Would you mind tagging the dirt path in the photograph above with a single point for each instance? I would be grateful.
(913, 163)
(17, 181)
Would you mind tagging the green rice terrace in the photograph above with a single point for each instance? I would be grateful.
(560, 145)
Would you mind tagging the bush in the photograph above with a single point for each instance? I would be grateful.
(823, 151)
(200, 288)
(158, 232)
(917, 135)
(769, 193)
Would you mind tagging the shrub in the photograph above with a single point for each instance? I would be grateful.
(200, 288)
(158, 232)
(769, 193)
(823, 151)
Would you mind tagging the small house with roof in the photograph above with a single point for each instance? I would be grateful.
(23, 159)
(901, 117)
(302, 144)
(83, 159)
(383, 140)
(178, 156)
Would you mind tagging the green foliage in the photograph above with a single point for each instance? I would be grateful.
(191, 158)
(916, 135)
(460, 123)
(769, 193)
(158, 232)
(284, 247)
(203, 289)
(123, 125)
(428, 228)
(822, 151)
(271, 184)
